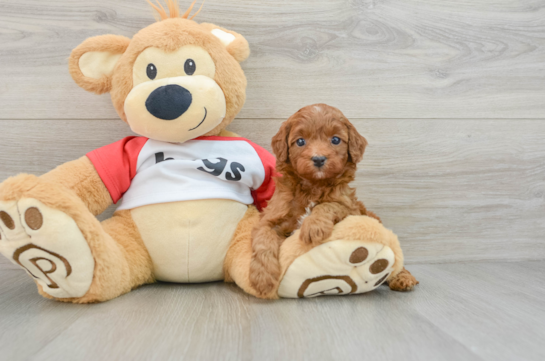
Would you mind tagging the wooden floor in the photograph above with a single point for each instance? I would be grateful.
(463, 311)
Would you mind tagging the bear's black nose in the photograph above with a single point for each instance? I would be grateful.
(169, 102)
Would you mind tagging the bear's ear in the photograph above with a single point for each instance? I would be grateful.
(92, 63)
(235, 43)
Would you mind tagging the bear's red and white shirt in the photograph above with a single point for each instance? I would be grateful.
(145, 171)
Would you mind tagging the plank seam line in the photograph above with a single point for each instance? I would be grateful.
(281, 118)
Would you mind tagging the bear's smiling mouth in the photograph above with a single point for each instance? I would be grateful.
(203, 119)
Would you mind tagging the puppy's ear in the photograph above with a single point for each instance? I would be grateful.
(235, 43)
(356, 142)
(279, 142)
(92, 63)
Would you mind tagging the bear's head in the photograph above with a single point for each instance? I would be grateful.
(173, 81)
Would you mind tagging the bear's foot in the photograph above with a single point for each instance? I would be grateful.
(338, 267)
(48, 245)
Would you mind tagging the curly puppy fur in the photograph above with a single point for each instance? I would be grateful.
(317, 150)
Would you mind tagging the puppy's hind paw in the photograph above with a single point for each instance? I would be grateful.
(404, 281)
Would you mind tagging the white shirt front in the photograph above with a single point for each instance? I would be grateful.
(145, 171)
(194, 170)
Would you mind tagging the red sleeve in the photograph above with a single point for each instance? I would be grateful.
(116, 164)
(265, 192)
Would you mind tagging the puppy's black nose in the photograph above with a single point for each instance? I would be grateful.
(168, 102)
(319, 161)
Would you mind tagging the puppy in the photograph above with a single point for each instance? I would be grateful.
(317, 150)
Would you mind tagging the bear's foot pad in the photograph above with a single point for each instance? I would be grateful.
(48, 245)
(339, 267)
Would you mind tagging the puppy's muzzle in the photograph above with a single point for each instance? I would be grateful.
(169, 102)
(319, 161)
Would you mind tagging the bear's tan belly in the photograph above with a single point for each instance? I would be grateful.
(188, 240)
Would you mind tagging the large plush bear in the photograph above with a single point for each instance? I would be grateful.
(191, 191)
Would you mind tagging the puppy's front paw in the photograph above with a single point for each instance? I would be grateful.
(264, 277)
(315, 230)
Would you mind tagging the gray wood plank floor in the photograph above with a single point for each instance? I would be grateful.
(467, 311)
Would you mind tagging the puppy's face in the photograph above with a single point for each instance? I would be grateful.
(318, 142)
(318, 147)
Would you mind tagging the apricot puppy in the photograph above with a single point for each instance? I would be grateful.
(317, 150)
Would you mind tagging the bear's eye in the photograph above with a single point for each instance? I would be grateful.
(300, 142)
(151, 71)
(335, 140)
(190, 67)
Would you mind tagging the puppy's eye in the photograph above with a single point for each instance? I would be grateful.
(151, 71)
(190, 67)
(300, 142)
(335, 140)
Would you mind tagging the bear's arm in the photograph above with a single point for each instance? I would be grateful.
(101, 177)
(81, 177)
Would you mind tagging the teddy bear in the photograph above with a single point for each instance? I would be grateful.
(188, 191)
